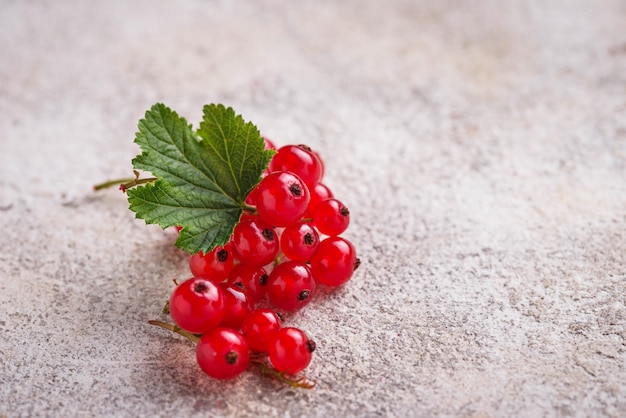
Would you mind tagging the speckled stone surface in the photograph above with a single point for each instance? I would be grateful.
(481, 148)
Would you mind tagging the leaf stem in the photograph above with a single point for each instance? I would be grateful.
(111, 183)
(137, 182)
(126, 183)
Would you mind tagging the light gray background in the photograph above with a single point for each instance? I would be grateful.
(481, 148)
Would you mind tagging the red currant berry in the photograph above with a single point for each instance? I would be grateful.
(291, 286)
(237, 305)
(251, 198)
(331, 217)
(300, 160)
(223, 353)
(334, 261)
(268, 143)
(215, 266)
(318, 193)
(197, 305)
(322, 168)
(291, 350)
(246, 214)
(259, 327)
(254, 242)
(252, 279)
(299, 241)
(282, 198)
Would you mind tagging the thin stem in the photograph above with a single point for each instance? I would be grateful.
(258, 360)
(280, 257)
(178, 330)
(251, 209)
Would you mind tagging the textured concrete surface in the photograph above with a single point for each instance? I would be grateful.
(481, 147)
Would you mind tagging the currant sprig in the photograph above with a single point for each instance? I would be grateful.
(262, 230)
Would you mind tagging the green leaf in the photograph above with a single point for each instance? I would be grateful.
(203, 177)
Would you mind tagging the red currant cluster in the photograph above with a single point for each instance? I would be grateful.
(283, 247)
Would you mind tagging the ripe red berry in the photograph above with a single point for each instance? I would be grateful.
(251, 278)
(197, 305)
(223, 353)
(215, 266)
(322, 167)
(236, 307)
(299, 241)
(282, 198)
(334, 261)
(254, 242)
(268, 143)
(291, 350)
(300, 160)
(251, 198)
(291, 286)
(318, 193)
(259, 327)
(331, 217)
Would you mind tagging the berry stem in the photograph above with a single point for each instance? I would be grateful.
(280, 257)
(293, 381)
(178, 330)
(250, 209)
(265, 369)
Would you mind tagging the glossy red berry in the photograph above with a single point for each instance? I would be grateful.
(253, 279)
(334, 261)
(291, 286)
(237, 305)
(259, 327)
(318, 193)
(223, 353)
(251, 198)
(321, 162)
(197, 305)
(331, 217)
(299, 241)
(254, 242)
(269, 144)
(300, 160)
(282, 198)
(291, 350)
(215, 265)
